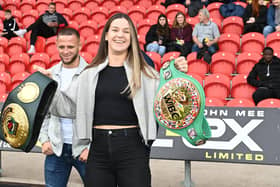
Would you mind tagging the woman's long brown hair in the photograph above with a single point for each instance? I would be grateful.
(135, 58)
(256, 8)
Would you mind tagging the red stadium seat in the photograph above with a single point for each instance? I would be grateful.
(252, 42)
(109, 4)
(240, 102)
(27, 5)
(50, 47)
(217, 86)
(196, 77)
(142, 41)
(75, 4)
(127, 4)
(4, 62)
(215, 102)
(117, 9)
(99, 14)
(246, 61)
(144, 26)
(214, 10)
(223, 62)
(218, 22)
(2, 17)
(90, 4)
(154, 11)
(192, 21)
(17, 79)
(39, 59)
(173, 9)
(60, 5)
(92, 44)
(18, 63)
(81, 15)
(42, 5)
(3, 97)
(136, 13)
(269, 103)
(39, 45)
(273, 40)
(17, 15)
(170, 55)
(12, 4)
(198, 66)
(88, 28)
(229, 43)
(67, 14)
(156, 59)
(73, 24)
(55, 59)
(5, 81)
(101, 27)
(240, 88)
(3, 44)
(16, 45)
(233, 24)
(87, 56)
(29, 17)
(145, 4)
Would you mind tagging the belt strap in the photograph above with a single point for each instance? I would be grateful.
(179, 105)
(24, 111)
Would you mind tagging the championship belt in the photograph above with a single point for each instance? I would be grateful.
(179, 105)
(24, 111)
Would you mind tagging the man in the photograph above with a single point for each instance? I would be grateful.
(273, 18)
(265, 75)
(57, 134)
(10, 25)
(47, 25)
(205, 30)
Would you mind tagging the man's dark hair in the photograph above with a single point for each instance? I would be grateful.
(8, 11)
(68, 31)
(268, 49)
(52, 3)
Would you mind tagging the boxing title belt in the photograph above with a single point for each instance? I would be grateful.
(24, 111)
(179, 105)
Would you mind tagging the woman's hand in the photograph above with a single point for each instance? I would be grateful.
(181, 64)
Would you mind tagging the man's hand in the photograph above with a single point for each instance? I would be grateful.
(200, 45)
(84, 155)
(42, 70)
(52, 24)
(181, 64)
(47, 148)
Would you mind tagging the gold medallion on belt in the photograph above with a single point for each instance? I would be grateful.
(15, 125)
(28, 92)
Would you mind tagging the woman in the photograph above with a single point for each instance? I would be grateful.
(181, 35)
(112, 101)
(254, 17)
(158, 36)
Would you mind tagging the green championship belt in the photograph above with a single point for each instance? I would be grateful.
(179, 105)
(24, 111)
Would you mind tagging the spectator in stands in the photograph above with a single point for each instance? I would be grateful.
(206, 31)
(170, 2)
(254, 17)
(273, 18)
(265, 75)
(57, 136)
(194, 6)
(112, 101)
(47, 25)
(158, 35)
(10, 25)
(181, 35)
